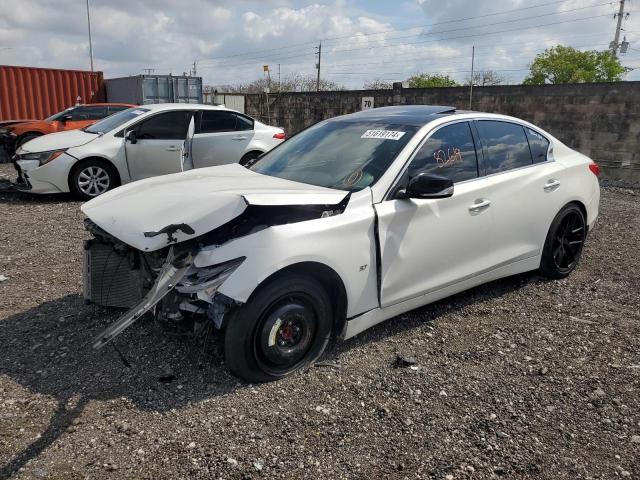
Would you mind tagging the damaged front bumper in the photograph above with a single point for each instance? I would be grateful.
(166, 282)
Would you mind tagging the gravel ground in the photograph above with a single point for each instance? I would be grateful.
(519, 378)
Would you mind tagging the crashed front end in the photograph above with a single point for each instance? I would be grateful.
(166, 281)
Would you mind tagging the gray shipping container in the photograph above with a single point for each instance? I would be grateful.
(142, 89)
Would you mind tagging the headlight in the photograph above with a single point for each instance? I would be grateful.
(206, 281)
(42, 157)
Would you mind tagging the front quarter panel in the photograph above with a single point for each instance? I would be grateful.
(345, 243)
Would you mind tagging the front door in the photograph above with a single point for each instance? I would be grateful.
(222, 137)
(428, 244)
(159, 144)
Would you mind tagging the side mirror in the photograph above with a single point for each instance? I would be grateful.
(427, 185)
(131, 136)
(66, 118)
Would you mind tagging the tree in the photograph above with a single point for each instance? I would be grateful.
(562, 64)
(426, 80)
(294, 82)
(378, 85)
(487, 78)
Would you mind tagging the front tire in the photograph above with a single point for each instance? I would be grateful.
(284, 327)
(564, 242)
(91, 178)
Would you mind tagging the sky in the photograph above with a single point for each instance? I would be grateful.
(231, 40)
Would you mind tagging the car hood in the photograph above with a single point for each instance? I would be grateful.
(58, 141)
(152, 213)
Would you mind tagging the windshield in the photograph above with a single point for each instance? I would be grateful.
(59, 115)
(340, 154)
(114, 121)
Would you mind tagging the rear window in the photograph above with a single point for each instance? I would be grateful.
(539, 145)
(506, 146)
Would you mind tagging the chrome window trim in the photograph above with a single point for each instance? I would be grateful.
(430, 132)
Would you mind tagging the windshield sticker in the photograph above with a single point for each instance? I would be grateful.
(451, 156)
(383, 134)
(138, 112)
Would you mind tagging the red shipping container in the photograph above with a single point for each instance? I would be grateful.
(37, 93)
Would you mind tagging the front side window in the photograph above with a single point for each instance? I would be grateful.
(506, 145)
(165, 126)
(449, 152)
(341, 154)
(539, 145)
(89, 113)
(59, 115)
(214, 121)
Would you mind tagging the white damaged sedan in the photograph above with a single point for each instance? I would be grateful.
(352, 221)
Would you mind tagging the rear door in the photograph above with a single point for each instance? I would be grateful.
(221, 137)
(526, 188)
(428, 244)
(160, 144)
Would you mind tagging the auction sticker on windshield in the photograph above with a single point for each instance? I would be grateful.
(383, 134)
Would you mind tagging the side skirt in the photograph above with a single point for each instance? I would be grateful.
(368, 319)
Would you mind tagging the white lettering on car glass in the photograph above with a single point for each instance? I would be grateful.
(383, 134)
(138, 112)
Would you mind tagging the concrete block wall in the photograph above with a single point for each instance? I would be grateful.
(601, 120)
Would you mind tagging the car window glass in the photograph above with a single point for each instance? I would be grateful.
(89, 113)
(116, 108)
(538, 144)
(244, 123)
(217, 121)
(506, 145)
(165, 126)
(341, 154)
(449, 152)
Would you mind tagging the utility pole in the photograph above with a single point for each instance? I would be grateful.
(615, 45)
(319, 47)
(194, 69)
(473, 56)
(279, 83)
(90, 44)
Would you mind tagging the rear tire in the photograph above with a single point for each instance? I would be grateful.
(91, 178)
(284, 327)
(249, 159)
(564, 242)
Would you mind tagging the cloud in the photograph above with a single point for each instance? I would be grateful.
(361, 40)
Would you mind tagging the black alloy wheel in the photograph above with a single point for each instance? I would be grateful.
(564, 243)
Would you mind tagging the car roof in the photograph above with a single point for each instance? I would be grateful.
(182, 106)
(106, 104)
(417, 115)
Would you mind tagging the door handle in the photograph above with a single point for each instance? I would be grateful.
(172, 149)
(479, 205)
(551, 185)
(239, 138)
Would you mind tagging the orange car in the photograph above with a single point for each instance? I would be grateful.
(80, 116)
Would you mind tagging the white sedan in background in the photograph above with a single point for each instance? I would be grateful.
(353, 221)
(139, 143)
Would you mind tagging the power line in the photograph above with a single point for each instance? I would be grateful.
(444, 22)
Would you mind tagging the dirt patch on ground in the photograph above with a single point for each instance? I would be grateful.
(519, 378)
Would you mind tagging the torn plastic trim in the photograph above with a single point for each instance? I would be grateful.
(205, 281)
(173, 270)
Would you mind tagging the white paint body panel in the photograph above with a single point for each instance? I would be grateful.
(202, 198)
(145, 159)
(428, 249)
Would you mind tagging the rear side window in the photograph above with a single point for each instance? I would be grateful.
(449, 152)
(89, 113)
(165, 126)
(244, 123)
(538, 144)
(217, 121)
(506, 145)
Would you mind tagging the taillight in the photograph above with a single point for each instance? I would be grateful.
(280, 136)
(595, 168)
